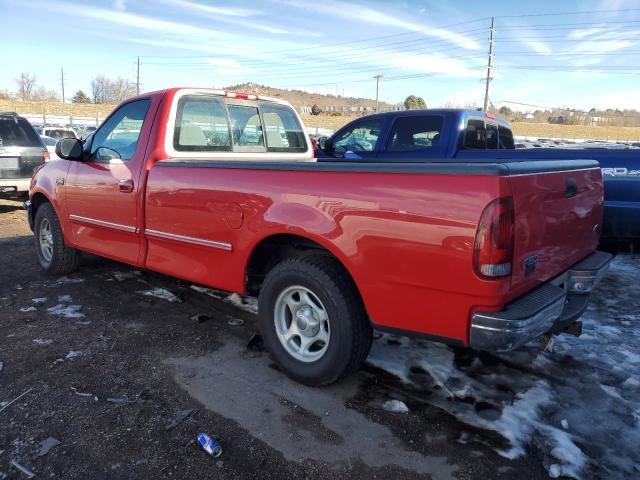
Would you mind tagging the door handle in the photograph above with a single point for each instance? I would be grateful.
(125, 186)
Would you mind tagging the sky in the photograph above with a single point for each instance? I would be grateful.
(574, 53)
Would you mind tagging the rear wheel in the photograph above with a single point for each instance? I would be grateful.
(54, 256)
(313, 321)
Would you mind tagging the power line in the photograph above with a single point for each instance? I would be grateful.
(584, 12)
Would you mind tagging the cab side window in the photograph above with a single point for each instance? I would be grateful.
(361, 137)
(415, 133)
(118, 137)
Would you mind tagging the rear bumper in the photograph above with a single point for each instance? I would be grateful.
(14, 185)
(546, 309)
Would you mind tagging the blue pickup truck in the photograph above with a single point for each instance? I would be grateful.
(439, 134)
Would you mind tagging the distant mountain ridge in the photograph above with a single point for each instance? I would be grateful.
(301, 98)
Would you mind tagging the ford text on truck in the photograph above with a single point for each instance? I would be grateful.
(222, 189)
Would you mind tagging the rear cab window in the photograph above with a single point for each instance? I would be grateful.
(483, 135)
(211, 125)
(413, 133)
(17, 132)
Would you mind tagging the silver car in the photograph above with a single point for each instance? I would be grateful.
(21, 151)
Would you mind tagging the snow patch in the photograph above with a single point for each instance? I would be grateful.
(42, 341)
(28, 309)
(65, 298)
(395, 406)
(66, 280)
(533, 397)
(122, 276)
(161, 293)
(73, 354)
(66, 311)
(248, 304)
(39, 300)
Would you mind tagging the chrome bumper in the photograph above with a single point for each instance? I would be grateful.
(547, 308)
(14, 185)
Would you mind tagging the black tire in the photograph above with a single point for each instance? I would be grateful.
(63, 259)
(351, 332)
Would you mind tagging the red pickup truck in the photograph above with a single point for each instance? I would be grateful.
(222, 189)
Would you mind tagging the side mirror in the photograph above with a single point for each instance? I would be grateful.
(322, 142)
(69, 149)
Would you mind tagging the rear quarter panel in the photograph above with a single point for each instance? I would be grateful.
(406, 239)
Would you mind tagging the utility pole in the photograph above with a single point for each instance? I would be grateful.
(138, 78)
(486, 87)
(377, 77)
(62, 81)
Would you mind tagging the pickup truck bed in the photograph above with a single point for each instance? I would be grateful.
(445, 249)
(445, 134)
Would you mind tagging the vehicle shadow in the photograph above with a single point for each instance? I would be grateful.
(10, 207)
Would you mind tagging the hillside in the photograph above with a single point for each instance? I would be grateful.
(300, 98)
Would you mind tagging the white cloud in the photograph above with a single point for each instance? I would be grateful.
(119, 5)
(227, 15)
(229, 67)
(585, 32)
(127, 19)
(214, 10)
(538, 46)
(359, 13)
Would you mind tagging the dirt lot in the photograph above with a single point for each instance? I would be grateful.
(125, 381)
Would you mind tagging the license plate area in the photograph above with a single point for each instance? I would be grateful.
(10, 163)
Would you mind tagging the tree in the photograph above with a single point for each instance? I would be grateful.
(505, 111)
(44, 95)
(414, 103)
(100, 89)
(121, 89)
(315, 109)
(104, 90)
(26, 86)
(81, 97)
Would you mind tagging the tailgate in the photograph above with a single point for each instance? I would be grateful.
(558, 220)
(19, 162)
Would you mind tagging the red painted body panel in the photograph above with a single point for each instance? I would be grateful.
(558, 230)
(406, 239)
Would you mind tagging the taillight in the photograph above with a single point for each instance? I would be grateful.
(241, 95)
(493, 253)
(46, 155)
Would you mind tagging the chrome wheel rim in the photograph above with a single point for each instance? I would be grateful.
(45, 240)
(302, 324)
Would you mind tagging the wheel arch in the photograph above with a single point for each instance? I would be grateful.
(276, 247)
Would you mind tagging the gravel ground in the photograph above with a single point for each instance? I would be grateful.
(111, 364)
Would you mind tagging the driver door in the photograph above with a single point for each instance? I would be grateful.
(102, 192)
(357, 141)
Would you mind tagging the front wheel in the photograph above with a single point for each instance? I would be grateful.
(313, 321)
(54, 256)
